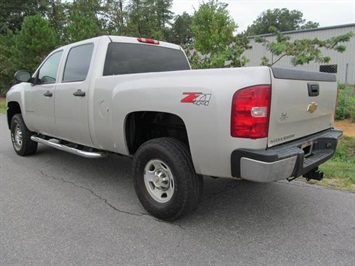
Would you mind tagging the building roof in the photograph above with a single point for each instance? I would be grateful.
(308, 30)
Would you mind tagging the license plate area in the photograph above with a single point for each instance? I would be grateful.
(307, 149)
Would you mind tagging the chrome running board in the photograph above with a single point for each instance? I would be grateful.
(86, 154)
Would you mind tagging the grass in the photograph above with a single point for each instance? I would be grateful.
(339, 172)
(2, 105)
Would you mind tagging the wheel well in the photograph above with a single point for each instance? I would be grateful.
(12, 109)
(143, 126)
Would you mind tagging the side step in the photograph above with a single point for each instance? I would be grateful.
(86, 154)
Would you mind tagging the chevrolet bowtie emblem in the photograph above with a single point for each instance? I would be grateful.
(312, 107)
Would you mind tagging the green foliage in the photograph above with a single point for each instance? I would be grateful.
(2, 105)
(115, 17)
(352, 112)
(35, 40)
(309, 25)
(181, 30)
(214, 44)
(345, 151)
(84, 20)
(230, 57)
(346, 103)
(57, 16)
(149, 18)
(25, 49)
(7, 66)
(302, 51)
(13, 12)
(282, 19)
(212, 27)
(342, 165)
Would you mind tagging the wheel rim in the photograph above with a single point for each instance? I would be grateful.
(17, 137)
(159, 181)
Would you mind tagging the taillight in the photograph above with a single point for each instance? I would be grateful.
(250, 112)
(150, 41)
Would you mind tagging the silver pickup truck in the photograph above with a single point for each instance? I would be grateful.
(138, 97)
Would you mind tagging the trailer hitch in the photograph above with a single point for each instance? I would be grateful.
(314, 174)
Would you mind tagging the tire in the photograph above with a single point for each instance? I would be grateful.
(165, 180)
(21, 137)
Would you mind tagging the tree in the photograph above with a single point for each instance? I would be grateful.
(161, 16)
(309, 25)
(85, 20)
(12, 13)
(181, 30)
(214, 44)
(116, 17)
(33, 43)
(302, 51)
(25, 49)
(212, 27)
(150, 18)
(7, 67)
(57, 16)
(282, 19)
(162, 12)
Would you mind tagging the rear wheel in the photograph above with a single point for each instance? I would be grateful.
(21, 137)
(165, 180)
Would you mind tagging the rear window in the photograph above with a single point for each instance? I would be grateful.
(128, 58)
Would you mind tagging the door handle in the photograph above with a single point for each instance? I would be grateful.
(48, 94)
(313, 89)
(79, 93)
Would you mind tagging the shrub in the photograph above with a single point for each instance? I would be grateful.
(346, 102)
(352, 111)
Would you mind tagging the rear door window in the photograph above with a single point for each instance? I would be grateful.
(128, 58)
(78, 63)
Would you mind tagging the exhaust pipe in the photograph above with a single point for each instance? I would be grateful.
(315, 174)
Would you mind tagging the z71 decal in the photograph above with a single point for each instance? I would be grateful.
(197, 98)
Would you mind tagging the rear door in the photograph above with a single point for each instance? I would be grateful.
(71, 97)
(302, 103)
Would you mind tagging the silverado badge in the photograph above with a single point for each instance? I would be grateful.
(312, 107)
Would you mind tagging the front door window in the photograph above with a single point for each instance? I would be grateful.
(48, 71)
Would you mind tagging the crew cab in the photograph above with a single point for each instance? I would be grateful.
(139, 97)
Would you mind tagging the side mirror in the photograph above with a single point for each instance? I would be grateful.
(23, 76)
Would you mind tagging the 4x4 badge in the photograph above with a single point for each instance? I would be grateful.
(197, 98)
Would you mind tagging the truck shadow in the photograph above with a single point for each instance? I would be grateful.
(225, 202)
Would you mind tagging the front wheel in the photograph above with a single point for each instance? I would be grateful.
(165, 180)
(21, 137)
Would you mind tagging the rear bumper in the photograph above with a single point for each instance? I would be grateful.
(286, 160)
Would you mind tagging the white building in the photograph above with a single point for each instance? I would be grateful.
(343, 64)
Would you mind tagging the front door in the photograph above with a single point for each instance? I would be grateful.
(39, 98)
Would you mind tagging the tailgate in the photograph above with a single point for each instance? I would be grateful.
(302, 103)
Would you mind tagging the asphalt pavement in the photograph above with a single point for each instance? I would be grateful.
(61, 209)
